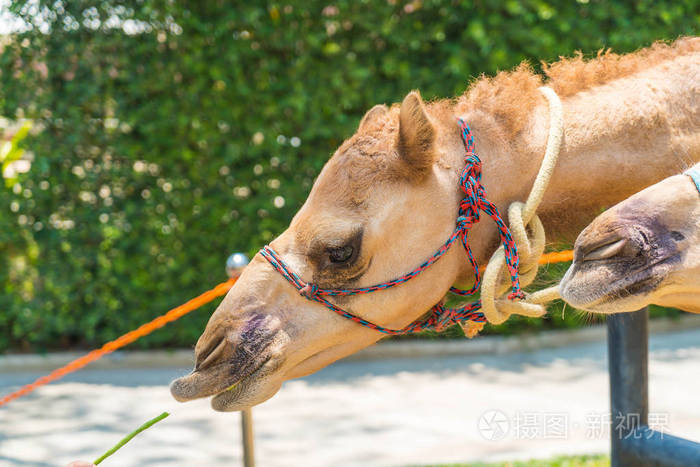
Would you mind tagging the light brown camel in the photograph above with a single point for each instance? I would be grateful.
(388, 198)
(644, 250)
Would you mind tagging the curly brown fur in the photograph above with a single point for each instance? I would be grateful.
(570, 76)
(510, 95)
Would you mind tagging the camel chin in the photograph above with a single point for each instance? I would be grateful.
(246, 394)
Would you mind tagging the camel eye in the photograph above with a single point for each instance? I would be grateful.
(341, 254)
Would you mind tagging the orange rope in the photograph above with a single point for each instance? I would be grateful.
(557, 257)
(172, 315)
(127, 338)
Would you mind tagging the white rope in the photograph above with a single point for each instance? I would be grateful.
(522, 218)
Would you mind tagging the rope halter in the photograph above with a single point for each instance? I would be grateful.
(439, 317)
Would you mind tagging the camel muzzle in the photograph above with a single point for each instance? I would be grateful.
(226, 356)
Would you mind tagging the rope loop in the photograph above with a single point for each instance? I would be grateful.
(528, 232)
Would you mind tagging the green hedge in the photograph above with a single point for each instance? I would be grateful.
(199, 130)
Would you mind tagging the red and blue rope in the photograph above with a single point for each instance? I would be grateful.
(440, 317)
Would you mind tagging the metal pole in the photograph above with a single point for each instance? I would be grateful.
(653, 448)
(234, 267)
(633, 443)
(628, 338)
(247, 430)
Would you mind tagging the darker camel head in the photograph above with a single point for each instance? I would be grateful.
(645, 250)
(382, 204)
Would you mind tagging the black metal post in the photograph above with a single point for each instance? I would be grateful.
(652, 448)
(628, 350)
(633, 443)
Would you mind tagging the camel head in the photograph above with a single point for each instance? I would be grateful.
(645, 250)
(385, 202)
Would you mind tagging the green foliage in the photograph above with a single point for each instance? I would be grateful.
(199, 133)
(11, 152)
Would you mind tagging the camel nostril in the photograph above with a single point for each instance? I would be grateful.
(677, 236)
(205, 358)
(605, 251)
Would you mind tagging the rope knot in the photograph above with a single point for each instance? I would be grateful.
(309, 291)
(469, 206)
(470, 181)
(465, 223)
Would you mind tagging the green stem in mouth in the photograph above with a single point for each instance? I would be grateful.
(128, 437)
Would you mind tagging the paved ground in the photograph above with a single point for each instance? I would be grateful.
(383, 412)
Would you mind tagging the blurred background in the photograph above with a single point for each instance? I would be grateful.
(144, 141)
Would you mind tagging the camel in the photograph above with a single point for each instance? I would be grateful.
(645, 250)
(388, 198)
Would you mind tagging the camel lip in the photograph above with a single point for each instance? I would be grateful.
(622, 290)
(247, 387)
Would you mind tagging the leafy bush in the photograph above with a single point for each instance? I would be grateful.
(170, 134)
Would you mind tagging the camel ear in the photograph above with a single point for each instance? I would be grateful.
(416, 134)
(373, 113)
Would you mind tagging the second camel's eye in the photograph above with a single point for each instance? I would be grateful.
(341, 254)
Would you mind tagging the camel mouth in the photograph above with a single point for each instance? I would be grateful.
(626, 288)
(230, 386)
(244, 379)
(223, 374)
(250, 390)
(607, 283)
